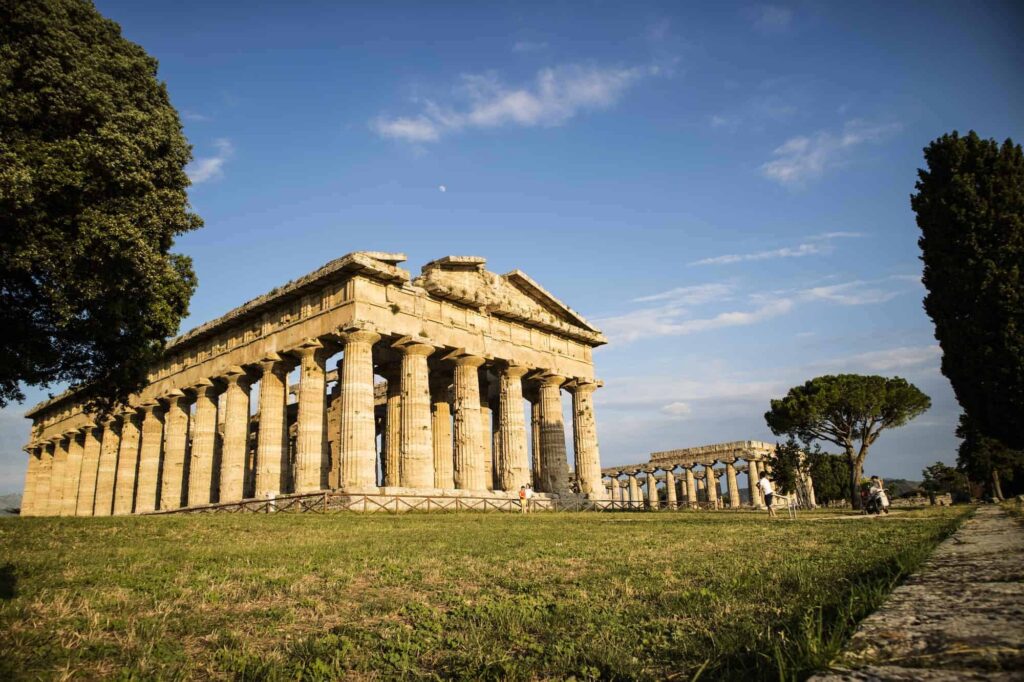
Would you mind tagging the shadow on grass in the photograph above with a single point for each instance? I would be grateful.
(8, 582)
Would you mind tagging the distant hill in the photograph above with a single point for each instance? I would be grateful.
(9, 503)
(898, 486)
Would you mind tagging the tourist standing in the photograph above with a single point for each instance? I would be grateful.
(522, 499)
(529, 497)
(769, 493)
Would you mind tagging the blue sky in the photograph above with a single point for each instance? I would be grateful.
(723, 188)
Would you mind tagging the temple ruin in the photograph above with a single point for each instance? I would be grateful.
(428, 398)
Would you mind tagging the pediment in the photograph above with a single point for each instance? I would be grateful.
(514, 296)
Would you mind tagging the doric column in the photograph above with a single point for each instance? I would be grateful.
(652, 490)
(711, 485)
(554, 461)
(60, 462)
(236, 435)
(812, 501)
(357, 443)
(487, 440)
(634, 492)
(42, 497)
(127, 463)
(691, 488)
(392, 451)
(755, 493)
(72, 474)
(151, 443)
(172, 476)
(441, 427)
(90, 463)
(311, 442)
(584, 428)
(417, 441)
(734, 489)
(106, 471)
(31, 477)
(204, 470)
(670, 489)
(512, 428)
(536, 466)
(469, 465)
(272, 465)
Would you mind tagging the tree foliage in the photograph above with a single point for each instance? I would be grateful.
(92, 194)
(987, 460)
(939, 479)
(848, 410)
(830, 475)
(970, 208)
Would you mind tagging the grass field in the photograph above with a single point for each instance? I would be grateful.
(471, 596)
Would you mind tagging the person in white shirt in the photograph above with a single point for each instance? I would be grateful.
(769, 492)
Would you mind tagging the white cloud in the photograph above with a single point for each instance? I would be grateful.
(889, 360)
(815, 244)
(195, 116)
(803, 158)
(857, 292)
(210, 167)
(771, 18)
(442, 188)
(673, 320)
(677, 410)
(556, 95)
(691, 295)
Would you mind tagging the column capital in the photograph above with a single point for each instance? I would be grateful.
(205, 387)
(358, 334)
(275, 361)
(235, 375)
(149, 407)
(511, 370)
(407, 346)
(582, 385)
(551, 379)
(460, 358)
(312, 347)
(69, 433)
(172, 397)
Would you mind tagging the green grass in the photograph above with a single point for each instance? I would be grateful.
(473, 596)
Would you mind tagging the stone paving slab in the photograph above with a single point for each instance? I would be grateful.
(960, 617)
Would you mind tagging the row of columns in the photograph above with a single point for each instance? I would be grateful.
(166, 454)
(686, 490)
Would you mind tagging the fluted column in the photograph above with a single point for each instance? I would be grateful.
(172, 475)
(127, 463)
(755, 493)
(670, 489)
(106, 471)
(652, 490)
(487, 441)
(417, 442)
(72, 474)
(634, 492)
(311, 443)
(584, 428)
(204, 470)
(90, 464)
(357, 442)
(236, 435)
(272, 466)
(711, 485)
(42, 497)
(470, 471)
(512, 428)
(536, 465)
(691, 488)
(554, 461)
(734, 488)
(60, 461)
(441, 427)
(28, 494)
(150, 446)
(392, 455)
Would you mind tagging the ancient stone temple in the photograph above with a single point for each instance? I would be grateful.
(430, 381)
(693, 477)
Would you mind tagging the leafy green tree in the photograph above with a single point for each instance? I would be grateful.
(848, 410)
(987, 460)
(939, 479)
(970, 208)
(830, 475)
(92, 194)
(787, 465)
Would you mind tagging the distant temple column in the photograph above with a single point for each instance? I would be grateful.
(28, 495)
(634, 492)
(72, 474)
(151, 442)
(470, 468)
(554, 461)
(734, 488)
(311, 442)
(41, 505)
(652, 490)
(204, 471)
(755, 491)
(584, 426)
(236, 435)
(441, 428)
(90, 463)
(417, 443)
(357, 442)
(127, 461)
(512, 428)
(536, 465)
(711, 485)
(106, 471)
(670, 489)
(392, 441)
(172, 477)
(272, 465)
(691, 488)
(487, 452)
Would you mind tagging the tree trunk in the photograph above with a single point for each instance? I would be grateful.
(997, 488)
(856, 471)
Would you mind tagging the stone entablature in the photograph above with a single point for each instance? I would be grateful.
(414, 331)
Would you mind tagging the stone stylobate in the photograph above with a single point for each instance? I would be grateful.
(460, 348)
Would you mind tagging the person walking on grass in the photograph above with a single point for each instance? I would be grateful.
(769, 493)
